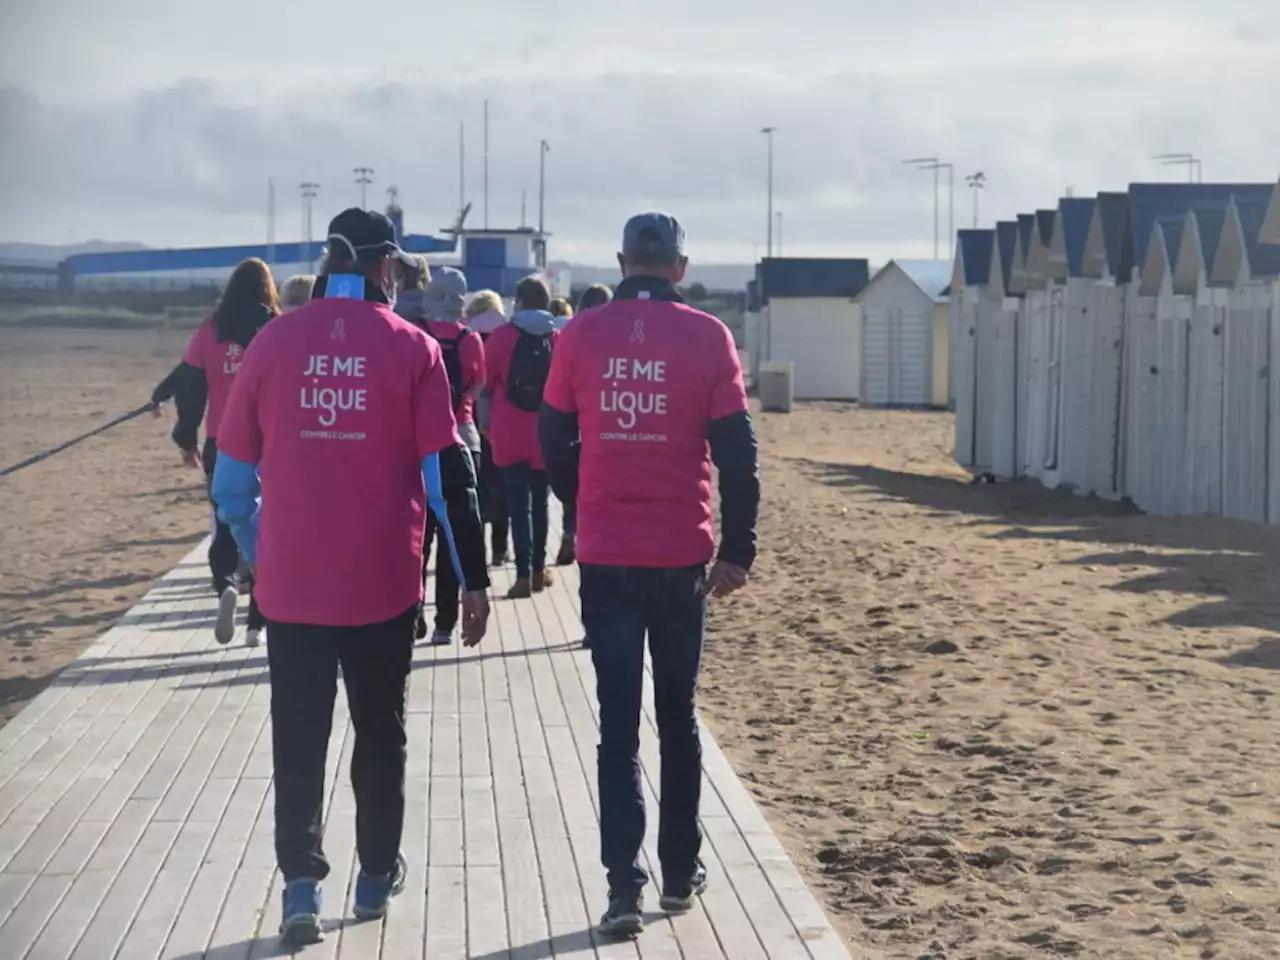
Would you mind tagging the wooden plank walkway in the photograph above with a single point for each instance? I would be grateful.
(135, 807)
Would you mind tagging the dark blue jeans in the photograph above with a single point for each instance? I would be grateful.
(619, 606)
(526, 490)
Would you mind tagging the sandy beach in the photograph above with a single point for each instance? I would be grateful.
(987, 721)
(997, 722)
(85, 533)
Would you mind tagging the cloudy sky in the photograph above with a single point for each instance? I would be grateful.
(162, 122)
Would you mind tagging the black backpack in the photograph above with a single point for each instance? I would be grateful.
(450, 353)
(530, 367)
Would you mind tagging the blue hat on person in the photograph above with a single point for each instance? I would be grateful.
(653, 236)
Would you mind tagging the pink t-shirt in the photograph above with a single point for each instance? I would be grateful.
(219, 361)
(338, 402)
(645, 377)
(513, 433)
(470, 356)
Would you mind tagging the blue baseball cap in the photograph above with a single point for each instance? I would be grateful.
(653, 236)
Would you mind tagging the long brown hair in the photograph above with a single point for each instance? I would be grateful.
(249, 297)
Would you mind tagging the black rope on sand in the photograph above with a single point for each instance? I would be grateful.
(30, 461)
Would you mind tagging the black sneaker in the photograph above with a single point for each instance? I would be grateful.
(680, 898)
(623, 919)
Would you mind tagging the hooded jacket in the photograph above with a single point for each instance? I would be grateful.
(513, 433)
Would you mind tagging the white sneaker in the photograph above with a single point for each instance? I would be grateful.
(225, 627)
(253, 638)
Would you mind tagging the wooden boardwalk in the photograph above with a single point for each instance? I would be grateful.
(135, 808)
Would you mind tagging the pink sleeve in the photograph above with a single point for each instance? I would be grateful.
(471, 353)
(433, 422)
(195, 346)
(558, 391)
(240, 432)
(728, 392)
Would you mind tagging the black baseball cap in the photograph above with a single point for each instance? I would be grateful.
(367, 235)
(655, 236)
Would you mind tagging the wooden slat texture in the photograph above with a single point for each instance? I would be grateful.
(136, 807)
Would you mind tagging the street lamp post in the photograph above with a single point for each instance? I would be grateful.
(768, 133)
(309, 192)
(1195, 172)
(934, 164)
(977, 183)
(543, 149)
(364, 177)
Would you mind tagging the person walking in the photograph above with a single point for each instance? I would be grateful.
(484, 316)
(339, 432)
(201, 388)
(518, 359)
(596, 295)
(462, 353)
(655, 390)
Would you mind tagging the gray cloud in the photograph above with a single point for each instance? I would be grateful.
(188, 162)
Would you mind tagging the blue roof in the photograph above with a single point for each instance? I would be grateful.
(1263, 258)
(1006, 237)
(1113, 209)
(975, 249)
(204, 258)
(931, 276)
(1148, 201)
(811, 277)
(1026, 224)
(1044, 225)
(1075, 214)
(1171, 227)
(1209, 221)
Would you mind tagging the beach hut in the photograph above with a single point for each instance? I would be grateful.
(969, 355)
(1091, 341)
(905, 330)
(1249, 440)
(812, 319)
(1201, 233)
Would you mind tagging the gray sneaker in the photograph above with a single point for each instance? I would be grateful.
(225, 627)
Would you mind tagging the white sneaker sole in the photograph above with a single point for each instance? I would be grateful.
(253, 638)
(225, 627)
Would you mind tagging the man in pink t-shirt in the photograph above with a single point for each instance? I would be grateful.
(338, 434)
(654, 388)
(517, 362)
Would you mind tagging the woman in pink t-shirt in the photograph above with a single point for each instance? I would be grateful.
(207, 371)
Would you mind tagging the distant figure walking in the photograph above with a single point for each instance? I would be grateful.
(462, 352)
(517, 361)
(201, 387)
(484, 316)
(651, 385)
(338, 434)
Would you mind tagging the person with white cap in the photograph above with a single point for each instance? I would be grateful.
(339, 433)
(462, 352)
